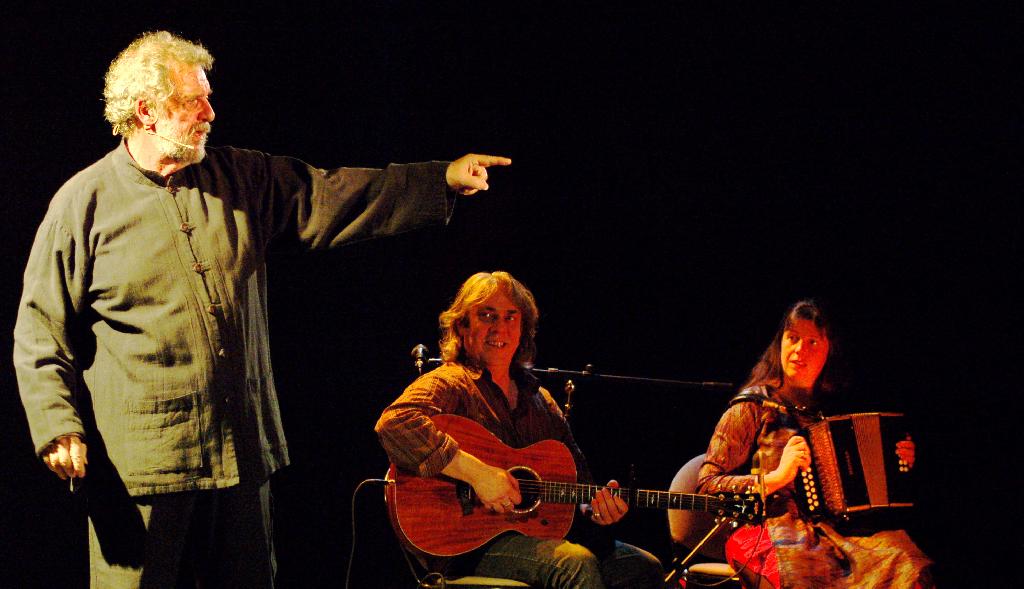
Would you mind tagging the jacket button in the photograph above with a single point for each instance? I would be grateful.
(185, 227)
(211, 310)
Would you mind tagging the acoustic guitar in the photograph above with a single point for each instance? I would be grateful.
(440, 516)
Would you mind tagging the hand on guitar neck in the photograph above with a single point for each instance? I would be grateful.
(607, 508)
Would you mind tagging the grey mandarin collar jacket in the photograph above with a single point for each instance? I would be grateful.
(143, 321)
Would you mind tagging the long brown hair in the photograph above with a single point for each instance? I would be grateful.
(475, 291)
(768, 370)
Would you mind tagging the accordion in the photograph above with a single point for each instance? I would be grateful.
(854, 466)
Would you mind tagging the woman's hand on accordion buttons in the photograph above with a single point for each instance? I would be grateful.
(796, 455)
(905, 449)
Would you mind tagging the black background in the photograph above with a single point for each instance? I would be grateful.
(679, 178)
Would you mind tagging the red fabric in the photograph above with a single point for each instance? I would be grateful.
(751, 547)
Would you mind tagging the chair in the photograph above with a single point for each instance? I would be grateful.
(472, 582)
(689, 529)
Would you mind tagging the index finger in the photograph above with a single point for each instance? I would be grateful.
(61, 462)
(492, 160)
(78, 457)
(602, 501)
(620, 505)
(514, 483)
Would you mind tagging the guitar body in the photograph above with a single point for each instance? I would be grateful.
(436, 515)
(439, 516)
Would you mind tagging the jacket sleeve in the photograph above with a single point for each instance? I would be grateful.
(44, 352)
(405, 430)
(326, 208)
(732, 445)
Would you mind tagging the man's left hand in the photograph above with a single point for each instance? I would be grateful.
(608, 508)
(468, 174)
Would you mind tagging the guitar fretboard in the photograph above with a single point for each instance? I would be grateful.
(555, 492)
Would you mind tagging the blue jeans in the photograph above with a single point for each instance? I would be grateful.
(558, 564)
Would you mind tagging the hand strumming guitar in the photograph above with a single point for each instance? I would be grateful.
(495, 487)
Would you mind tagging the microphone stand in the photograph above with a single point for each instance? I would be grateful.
(588, 373)
(419, 355)
(679, 565)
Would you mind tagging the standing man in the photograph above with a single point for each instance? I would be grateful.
(142, 328)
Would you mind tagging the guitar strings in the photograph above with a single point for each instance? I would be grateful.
(550, 489)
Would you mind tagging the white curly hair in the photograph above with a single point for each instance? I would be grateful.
(143, 70)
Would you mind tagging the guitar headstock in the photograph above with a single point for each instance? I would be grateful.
(745, 507)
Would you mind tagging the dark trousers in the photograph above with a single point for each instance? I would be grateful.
(201, 539)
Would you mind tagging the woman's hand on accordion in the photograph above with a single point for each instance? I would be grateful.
(905, 449)
(796, 455)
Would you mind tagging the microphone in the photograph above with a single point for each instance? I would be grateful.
(766, 402)
(774, 405)
(178, 143)
(419, 356)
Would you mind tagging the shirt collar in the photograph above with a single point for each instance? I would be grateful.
(525, 380)
(143, 176)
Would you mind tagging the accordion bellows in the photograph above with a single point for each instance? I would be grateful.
(854, 465)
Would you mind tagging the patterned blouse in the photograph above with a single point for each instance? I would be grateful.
(810, 554)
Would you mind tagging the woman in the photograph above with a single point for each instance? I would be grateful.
(797, 370)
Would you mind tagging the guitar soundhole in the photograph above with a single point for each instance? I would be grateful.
(530, 493)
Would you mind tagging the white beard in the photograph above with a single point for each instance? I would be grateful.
(183, 154)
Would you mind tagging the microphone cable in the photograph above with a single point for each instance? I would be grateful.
(431, 580)
(352, 548)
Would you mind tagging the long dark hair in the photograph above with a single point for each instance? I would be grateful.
(768, 370)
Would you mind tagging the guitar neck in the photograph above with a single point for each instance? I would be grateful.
(554, 492)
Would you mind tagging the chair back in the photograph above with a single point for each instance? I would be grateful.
(688, 527)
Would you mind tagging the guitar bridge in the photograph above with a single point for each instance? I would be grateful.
(464, 492)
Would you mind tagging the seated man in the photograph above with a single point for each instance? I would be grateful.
(487, 343)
